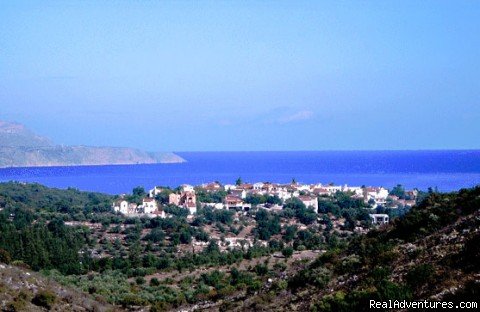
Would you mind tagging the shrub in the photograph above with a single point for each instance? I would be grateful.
(154, 282)
(21, 264)
(44, 298)
(5, 256)
(261, 269)
(420, 275)
(287, 252)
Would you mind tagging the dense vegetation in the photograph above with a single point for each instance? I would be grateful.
(32, 228)
(412, 259)
(75, 238)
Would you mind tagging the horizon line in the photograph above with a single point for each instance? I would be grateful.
(335, 150)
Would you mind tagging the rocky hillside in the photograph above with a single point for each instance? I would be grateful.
(430, 254)
(25, 290)
(16, 135)
(20, 147)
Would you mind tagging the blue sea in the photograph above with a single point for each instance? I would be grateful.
(447, 170)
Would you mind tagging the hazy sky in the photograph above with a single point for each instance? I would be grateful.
(260, 75)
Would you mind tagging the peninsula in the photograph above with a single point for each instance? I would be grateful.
(20, 147)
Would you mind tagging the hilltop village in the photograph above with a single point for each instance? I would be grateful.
(242, 197)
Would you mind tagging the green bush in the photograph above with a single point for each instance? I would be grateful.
(420, 275)
(44, 298)
(287, 252)
(154, 282)
(5, 256)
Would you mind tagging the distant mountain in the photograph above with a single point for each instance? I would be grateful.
(15, 135)
(20, 147)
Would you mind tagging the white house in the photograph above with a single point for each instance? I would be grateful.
(332, 189)
(258, 186)
(379, 218)
(228, 187)
(187, 188)
(121, 206)
(357, 190)
(214, 205)
(309, 201)
(239, 192)
(149, 205)
(283, 194)
(192, 207)
(379, 194)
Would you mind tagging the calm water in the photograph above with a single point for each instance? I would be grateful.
(447, 170)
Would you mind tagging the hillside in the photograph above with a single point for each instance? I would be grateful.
(16, 135)
(20, 147)
(24, 290)
(180, 263)
(430, 254)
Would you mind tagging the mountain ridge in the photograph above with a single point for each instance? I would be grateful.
(21, 147)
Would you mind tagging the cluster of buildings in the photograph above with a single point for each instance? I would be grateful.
(148, 207)
(186, 197)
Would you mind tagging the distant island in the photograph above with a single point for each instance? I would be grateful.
(20, 147)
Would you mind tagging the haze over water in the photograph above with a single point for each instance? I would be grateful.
(447, 170)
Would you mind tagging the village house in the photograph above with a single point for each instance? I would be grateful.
(149, 205)
(155, 191)
(239, 193)
(320, 191)
(235, 202)
(283, 194)
(132, 208)
(187, 188)
(148, 208)
(174, 199)
(211, 187)
(213, 205)
(258, 186)
(121, 206)
(378, 194)
(186, 199)
(332, 189)
(379, 218)
(229, 187)
(245, 186)
(309, 201)
(354, 189)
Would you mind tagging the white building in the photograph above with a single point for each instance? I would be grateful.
(228, 187)
(214, 205)
(121, 206)
(149, 205)
(309, 201)
(357, 190)
(379, 218)
(379, 194)
(258, 186)
(239, 193)
(187, 188)
(155, 191)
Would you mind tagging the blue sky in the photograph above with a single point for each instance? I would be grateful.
(259, 75)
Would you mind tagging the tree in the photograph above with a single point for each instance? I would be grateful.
(287, 252)
(139, 191)
(398, 190)
(239, 181)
